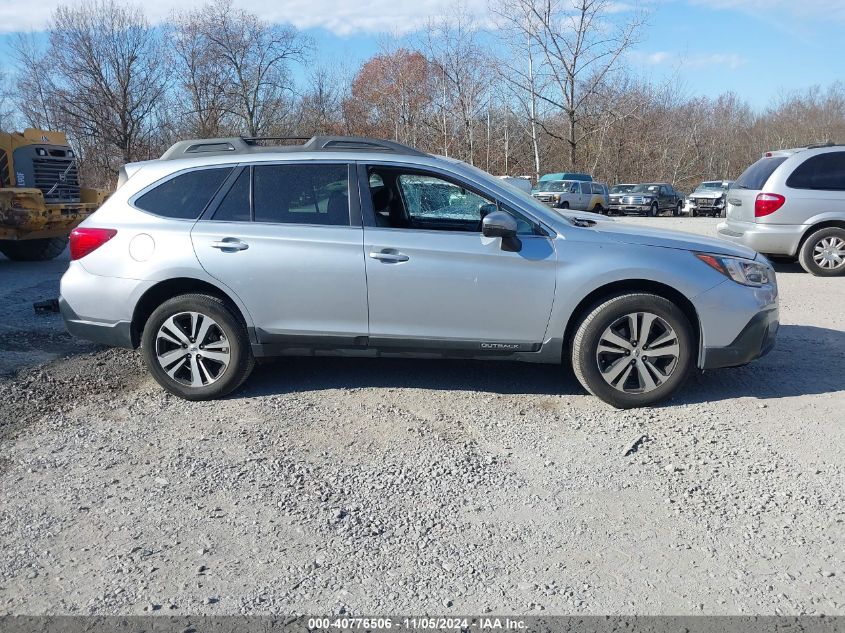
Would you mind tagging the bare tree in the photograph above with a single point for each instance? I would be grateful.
(200, 79)
(101, 79)
(461, 70)
(253, 57)
(581, 43)
(34, 84)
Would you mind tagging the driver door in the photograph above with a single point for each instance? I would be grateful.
(435, 282)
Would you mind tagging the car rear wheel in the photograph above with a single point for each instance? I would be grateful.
(633, 350)
(196, 347)
(823, 253)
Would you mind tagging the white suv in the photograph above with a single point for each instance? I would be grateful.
(791, 203)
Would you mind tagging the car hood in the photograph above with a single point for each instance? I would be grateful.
(707, 194)
(645, 236)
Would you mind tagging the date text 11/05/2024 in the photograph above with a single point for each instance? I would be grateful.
(418, 623)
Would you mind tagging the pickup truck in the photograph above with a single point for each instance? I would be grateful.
(651, 199)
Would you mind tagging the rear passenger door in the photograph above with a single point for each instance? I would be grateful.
(287, 239)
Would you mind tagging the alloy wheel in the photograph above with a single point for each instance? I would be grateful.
(192, 349)
(829, 253)
(638, 352)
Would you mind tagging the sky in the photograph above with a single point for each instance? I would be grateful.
(759, 49)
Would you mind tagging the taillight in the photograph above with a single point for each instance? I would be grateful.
(84, 240)
(767, 203)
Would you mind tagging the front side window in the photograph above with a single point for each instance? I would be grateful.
(823, 171)
(416, 200)
(186, 196)
(301, 194)
(430, 199)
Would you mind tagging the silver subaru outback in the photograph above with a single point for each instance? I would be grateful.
(228, 250)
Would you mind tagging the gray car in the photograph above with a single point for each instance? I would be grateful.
(791, 203)
(224, 251)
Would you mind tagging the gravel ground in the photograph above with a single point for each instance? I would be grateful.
(388, 486)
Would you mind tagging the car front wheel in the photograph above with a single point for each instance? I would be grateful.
(654, 210)
(196, 347)
(823, 253)
(633, 350)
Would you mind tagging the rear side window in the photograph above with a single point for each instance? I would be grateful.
(186, 196)
(756, 176)
(823, 171)
(301, 194)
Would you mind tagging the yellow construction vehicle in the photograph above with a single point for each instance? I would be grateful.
(40, 197)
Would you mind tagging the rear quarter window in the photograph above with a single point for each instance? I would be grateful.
(823, 171)
(185, 196)
(755, 177)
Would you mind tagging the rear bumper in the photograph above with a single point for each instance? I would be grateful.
(116, 334)
(772, 239)
(755, 340)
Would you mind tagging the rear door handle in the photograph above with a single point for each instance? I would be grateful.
(230, 244)
(389, 255)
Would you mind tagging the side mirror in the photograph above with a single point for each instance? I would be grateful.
(502, 224)
(498, 224)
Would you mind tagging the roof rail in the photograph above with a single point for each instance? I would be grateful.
(247, 145)
(825, 144)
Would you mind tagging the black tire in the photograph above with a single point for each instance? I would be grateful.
(653, 211)
(831, 234)
(33, 250)
(585, 355)
(564, 205)
(231, 329)
(694, 213)
(677, 210)
(599, 209)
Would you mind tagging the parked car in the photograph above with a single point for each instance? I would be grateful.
(651, 199)
(568, 194)
(708, 198)
(226, 250)
(791, 203)
(523, 183)
(616, 192)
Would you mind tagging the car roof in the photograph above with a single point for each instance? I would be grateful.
(239, 146)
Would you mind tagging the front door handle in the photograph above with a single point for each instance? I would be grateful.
(389, 255)
(230, 244)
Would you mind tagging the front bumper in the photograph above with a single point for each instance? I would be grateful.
(755, 340)
(772, 239)
(634, 208)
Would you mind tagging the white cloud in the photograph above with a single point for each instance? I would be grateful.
(342, 17)
(707, 60)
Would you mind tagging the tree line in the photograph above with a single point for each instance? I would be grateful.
(547, 90)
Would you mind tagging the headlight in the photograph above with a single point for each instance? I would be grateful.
(647, 199)
(742, 271)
